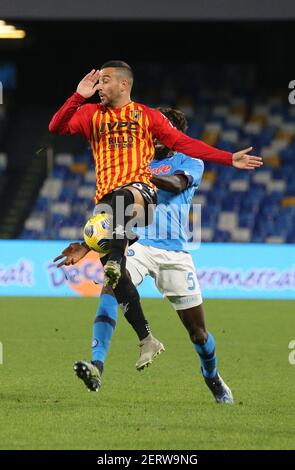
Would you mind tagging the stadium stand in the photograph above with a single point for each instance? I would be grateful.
(236, 206)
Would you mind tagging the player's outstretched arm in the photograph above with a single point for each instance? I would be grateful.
(176, 140)
(71, 120)
(72, 254)
(198, 149)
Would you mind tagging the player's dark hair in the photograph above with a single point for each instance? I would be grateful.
(176, 117)
(120, 64)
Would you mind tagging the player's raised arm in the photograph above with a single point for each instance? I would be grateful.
(89, 84)
(72, 118)
(176, 140)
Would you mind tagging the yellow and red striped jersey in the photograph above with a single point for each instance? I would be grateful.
(122, 147)
(121, 140)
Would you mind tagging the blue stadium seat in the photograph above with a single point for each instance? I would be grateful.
(258, 208)
(60, 172)
(246, 220)
(221, 236)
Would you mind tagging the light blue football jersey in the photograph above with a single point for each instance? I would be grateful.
(171, 218)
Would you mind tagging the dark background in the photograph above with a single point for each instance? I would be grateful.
(149, 10)
(55, 55)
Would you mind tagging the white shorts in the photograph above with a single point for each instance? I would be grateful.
(173, 271)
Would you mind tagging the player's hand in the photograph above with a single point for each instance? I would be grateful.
(72, 254)
(243, 161)
(89, 84)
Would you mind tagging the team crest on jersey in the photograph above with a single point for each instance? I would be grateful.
(136, 114)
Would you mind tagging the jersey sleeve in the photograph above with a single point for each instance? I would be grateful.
(73, 117)
(191, 168)
(162, 128)
(168, 135)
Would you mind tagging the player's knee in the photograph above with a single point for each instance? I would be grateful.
(198, 335)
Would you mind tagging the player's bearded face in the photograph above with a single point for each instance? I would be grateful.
(109, 86)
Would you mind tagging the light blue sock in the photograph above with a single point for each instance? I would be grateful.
(207, 356)
(103, 328)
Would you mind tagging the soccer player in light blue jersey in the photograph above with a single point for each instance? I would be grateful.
(161, 253)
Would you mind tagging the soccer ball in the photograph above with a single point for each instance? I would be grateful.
(97, 233)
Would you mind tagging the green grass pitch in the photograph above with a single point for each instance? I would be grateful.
(167, 406)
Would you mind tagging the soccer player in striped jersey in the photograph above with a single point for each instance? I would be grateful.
(121, 134)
